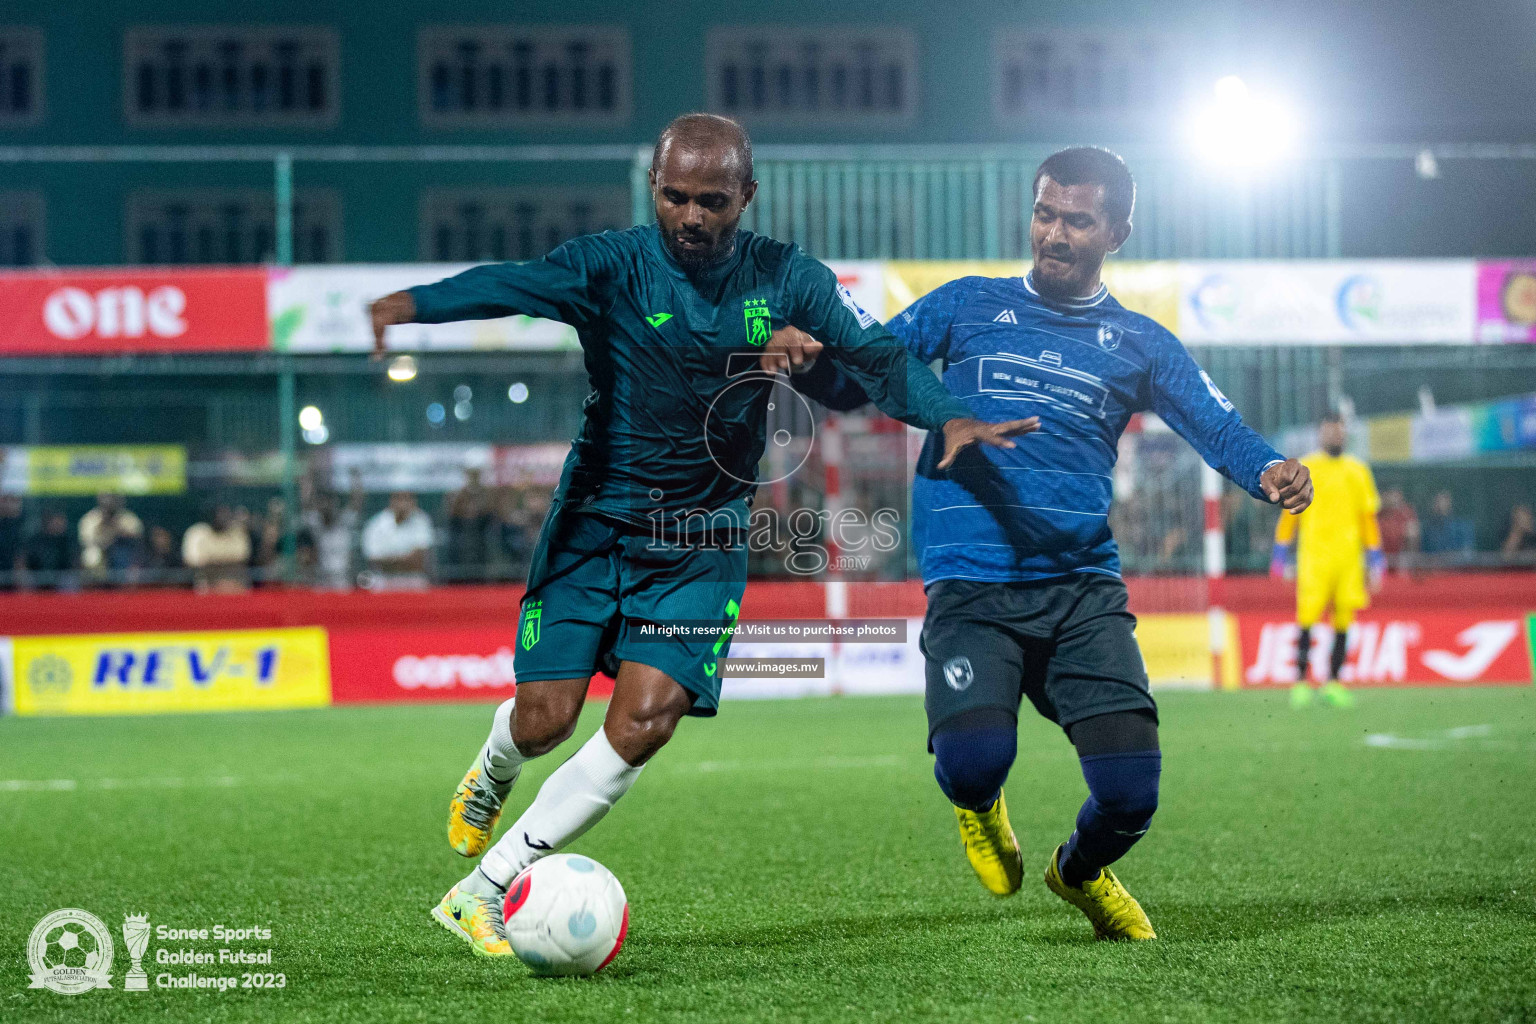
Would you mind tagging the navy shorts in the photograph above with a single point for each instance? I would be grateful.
(1067, 643)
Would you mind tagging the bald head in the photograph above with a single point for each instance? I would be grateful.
(701, 182)
(707, 133)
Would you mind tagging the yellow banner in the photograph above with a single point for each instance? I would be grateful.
(93, 468)
(1149, 288)
(151, 673)
(1176, 649)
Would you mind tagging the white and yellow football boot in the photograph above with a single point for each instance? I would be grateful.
(475, 919)
(475, 809)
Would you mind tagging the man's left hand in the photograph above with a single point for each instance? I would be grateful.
(960, 434)
(1289, 485)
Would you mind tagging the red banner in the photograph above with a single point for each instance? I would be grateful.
(1406, 649)
(421, 665)
(66, 313)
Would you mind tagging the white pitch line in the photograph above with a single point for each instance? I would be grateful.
(1441, 740)
(162, 782)
(832, 763)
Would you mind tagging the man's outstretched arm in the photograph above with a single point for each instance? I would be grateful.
(792, 349)
(1190, 402)
(565, 285)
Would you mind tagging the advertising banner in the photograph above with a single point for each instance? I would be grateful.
(442, 466)
(7, 678)
(149, 673)
(79, 312)
(1506, 300)
(1149, 288)
(1176, 649)
(1327, 301)
(1406, 649)
(1450, 432)
(429, 665)
(321, 309)
(63, 470)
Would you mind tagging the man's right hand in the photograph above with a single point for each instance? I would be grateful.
(394, 308)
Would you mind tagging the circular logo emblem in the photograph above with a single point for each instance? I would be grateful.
(786, 453)
(1109, 337)
(958, 674)
(1359, 302)
(49, 674)
(70, 951)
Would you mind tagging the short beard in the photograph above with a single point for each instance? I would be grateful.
(722, 248)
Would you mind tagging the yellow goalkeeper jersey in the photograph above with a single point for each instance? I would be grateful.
(1341, 520)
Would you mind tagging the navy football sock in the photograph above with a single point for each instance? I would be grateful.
(1122, 796)
(971, 764)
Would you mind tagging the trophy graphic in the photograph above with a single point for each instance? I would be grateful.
(136, 937)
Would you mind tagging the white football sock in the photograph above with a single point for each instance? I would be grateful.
(572, 800)
(500, 756)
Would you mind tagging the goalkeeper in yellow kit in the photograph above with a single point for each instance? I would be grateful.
(1339, 545)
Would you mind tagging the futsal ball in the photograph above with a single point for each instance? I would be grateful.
(566, 914)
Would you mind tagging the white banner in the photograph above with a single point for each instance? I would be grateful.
(409, 467)
(1327, 301)
(7, 686)
(325, 309)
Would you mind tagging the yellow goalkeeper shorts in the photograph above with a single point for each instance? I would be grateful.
(1338, 581)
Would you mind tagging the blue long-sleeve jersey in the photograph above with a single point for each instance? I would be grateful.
(1084, 367)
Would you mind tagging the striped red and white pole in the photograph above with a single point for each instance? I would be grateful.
(1215, 563)
(836, 587)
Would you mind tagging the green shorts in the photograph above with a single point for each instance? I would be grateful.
(598, 589)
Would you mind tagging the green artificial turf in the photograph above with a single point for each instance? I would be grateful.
(794, 861)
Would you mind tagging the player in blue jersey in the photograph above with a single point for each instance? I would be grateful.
(673, 319)
(1022, 575)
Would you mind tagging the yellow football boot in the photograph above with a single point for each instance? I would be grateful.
(476, 919)
(1114, 912)
(1301, 696)
(475, 809)
(992, 848)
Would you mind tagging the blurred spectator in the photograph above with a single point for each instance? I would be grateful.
(267, 541)
(469, 525)
(1520, 540)
(111, 539)
(217, 552)
(328, 537)
(520, 515)
(1399, 527)
(162, 561)
(1445, 533)
(1248, 529)
(11, 536)
(397, 540)
(50, 556)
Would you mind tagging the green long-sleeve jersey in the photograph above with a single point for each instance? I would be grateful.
(676, 418)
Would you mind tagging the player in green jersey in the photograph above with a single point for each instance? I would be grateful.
(677, 322)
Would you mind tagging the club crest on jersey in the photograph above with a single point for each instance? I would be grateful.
(958, 674)
(1109, 337)
(759, 321)
(1006, 317)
